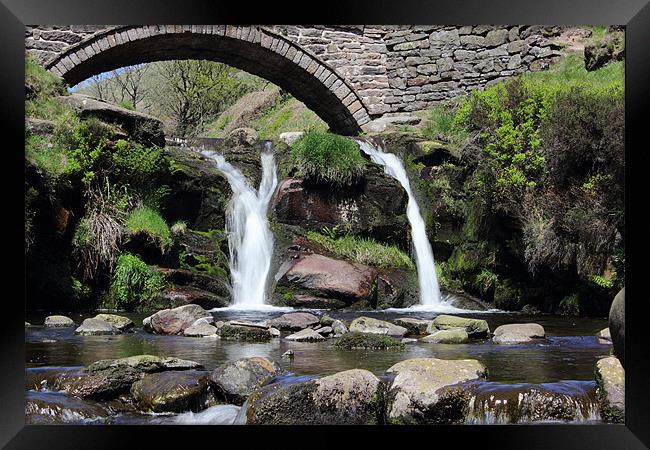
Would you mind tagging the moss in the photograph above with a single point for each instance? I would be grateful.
(251, 334)
(357, 340)
(148, 222)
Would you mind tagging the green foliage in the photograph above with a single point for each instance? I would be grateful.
(327, 157)
(134, 282)
(602, 282)
(51, 159)
(42, 86)
(127, 105)
(148, 222)
(288, 114)
(569, 306)
(370, 341)
(441, 124)
(364, 251)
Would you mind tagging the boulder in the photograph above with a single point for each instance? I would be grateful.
(175, 391)
(306, 335)
(140, 127)
(426, 391)
(328, 277)
(352, 397)
(324, 331)
(294, 321)
(174, 321)
(144, 363)
(355, 340)
(610, 381)
(617, 325)
(338, 328)
(376, 326)
(517, 333)
(452, 336)
(476, 328)
(413, 326)
(95, 327)
(243, 333)
(59, 321)
(120, 322)
(243, 136)
(604, 337)
(235, 381)
(200, 329)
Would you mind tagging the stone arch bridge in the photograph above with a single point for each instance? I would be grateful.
(351, 76)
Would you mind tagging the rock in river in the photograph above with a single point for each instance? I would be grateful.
(174, 391)
(424, 390)
(604, 337)
(610, 379)
(120, 322)
(476, 328)
(375, 326)
(200, 329)
(517, 333)
(59, 321)
(617, 325)
(235, 381)
(452, 336)
(352, 397)
(294, 321)
(95, 327)
(174, 321)
(306, 335)
(414, 326)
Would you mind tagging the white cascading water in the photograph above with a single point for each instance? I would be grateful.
(250, 240)
(427, 277)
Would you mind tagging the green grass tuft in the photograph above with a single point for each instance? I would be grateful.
(147, 221)
(134, 282)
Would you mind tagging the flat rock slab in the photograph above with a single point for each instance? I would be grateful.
(376, 326)
(294, 321)
(610, 379)
(96, 327)
(517, 333)
(201, 329)
(120, 322)
(144, 363)
(59, 321)
(305, 335)
(476, 328)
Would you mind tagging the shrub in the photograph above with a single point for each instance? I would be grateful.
(326, 157)
(441, 124)
(357, 340)
(364, 251)
(148, 222)
(134, 282)
(569, 306)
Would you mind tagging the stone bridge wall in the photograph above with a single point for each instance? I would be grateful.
(392, 69)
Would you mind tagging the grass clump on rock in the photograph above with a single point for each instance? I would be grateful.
(134, 282)
(361, 250)
(147, 221)
(357, 340)
(329, 158)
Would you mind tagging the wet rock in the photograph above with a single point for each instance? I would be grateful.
(312, 302)
(617, 325)
(357, 340)
(322, 276)
(144, 363)
(294, 321)
(476, 328)
(175, 391)
(306, 335)
(98, 385)
(324, 331)
(338, 328)
(120, 322)
(243, 333)
(604, 337)
(95, 327)
(376, 326)
(426, 391)
(235, 381)
(44, 408)
(610, 379)
(516, 333)
(351, 397)
(414, 326)
(174, 321)
(452, 336)
(59, 321)
(201, 329)
(274, 332)
(175, 296)
(289, 354)
(326, 320)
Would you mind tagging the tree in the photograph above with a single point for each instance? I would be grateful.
(129, 87)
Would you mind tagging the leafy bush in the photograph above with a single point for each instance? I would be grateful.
(326, 157)
(364, 251)
(357, 340)
(148, 222)
(134, 282)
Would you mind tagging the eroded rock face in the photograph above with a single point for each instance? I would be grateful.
(174, 321)
(58, 321)
(351, 397)
(294, 321)
(475, 328)
(174, 391)
(610, 379)
(516, 333)
(328, 277)
(235, 381)
(424, 390)
(96, 327)
(617, 325)
(376, 326)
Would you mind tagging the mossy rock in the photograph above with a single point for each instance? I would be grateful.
(357, 340)
(242, 333)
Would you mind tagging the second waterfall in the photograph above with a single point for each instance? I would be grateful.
(250, 240)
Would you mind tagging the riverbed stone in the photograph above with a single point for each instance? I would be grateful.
(294, 321)
(339, 328)
(306, 335)
(120, 322)
(243, 333)
(414, 326)
(604, 336)
(452, 336)
(516, 333)
(367, 341)
(476, 328)
(427, 391)
(59, 321)
(174, 391)
(610, 380)
(201, 329)
(95, 327)
(617, 325)
(235, 381)
(174, 321)
(351, 397)
(376, 326)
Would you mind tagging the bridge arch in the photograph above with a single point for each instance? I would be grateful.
(254, 49)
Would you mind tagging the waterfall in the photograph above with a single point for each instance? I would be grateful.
(427, 277)
(250, 240)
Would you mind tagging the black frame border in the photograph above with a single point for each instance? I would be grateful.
(635, 14)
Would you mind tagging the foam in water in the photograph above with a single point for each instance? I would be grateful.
(250, 240)
(215, 415)
(430, 298)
